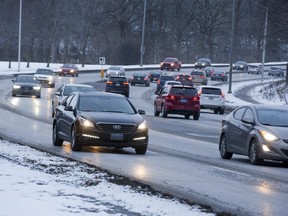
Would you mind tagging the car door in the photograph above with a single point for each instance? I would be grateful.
(160, 99)
(233, 130)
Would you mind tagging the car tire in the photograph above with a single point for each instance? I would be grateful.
(196, 116)
(216, 111)
(222, 111)
(187, 116)
(38, 96)
(223, 148)
(254, 153)
(156, 113)
(141, 150)
(163, 112)
(55, 138)
(75, 145)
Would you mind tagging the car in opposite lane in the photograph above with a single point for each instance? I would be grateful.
(140, 79)
(240, 65)
(118, 84)
(46, 77)
(100, 119)
(209, 70)
(202, 63)
(212, 97)
(276, 71)
(26, 85)
(255, 69)
(177, 99)
(64, 90)
(115, 71)
(69, 69)
(257, 131)
(171, 63)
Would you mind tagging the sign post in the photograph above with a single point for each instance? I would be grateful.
(102, 62)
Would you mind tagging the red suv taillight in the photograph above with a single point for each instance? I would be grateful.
(170, 98)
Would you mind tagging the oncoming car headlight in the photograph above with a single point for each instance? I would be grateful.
(36, 87)
(16, 86)
(143, 125)
(85, 122)
(268, 136)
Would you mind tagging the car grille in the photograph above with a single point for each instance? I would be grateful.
(117, 128)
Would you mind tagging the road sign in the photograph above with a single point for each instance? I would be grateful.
(102, 60)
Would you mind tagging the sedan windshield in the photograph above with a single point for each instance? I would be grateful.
(273, 117)
(105, 104)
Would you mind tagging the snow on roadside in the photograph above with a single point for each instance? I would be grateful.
(34, 182)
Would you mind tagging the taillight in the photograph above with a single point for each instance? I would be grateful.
(202, 76)
(145, 78)
(196, 98)
(170, 97)
(125, 83)
(222, 94)
(190, 78)
(109, 82)
(158, 81)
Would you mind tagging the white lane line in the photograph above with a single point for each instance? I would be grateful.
(230, 171)
(201, 135)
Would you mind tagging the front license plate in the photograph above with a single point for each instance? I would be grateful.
(183, 100)
(116, 136)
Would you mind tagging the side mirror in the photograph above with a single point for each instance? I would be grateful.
(68, 108)
(57, 93)
(13, 81)
(141, 112)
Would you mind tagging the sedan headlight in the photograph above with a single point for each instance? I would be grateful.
(142, 126)
(85, 122)
(16, 87)
(37, 88)
(268, 136)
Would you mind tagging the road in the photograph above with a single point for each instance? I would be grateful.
(182, 157)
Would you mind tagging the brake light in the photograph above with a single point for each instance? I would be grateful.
(125, 83)
(145, 78)
(202, 76)
(170, 97)
(190, 78)
(109, 82)
(196, 98)
(158, 81)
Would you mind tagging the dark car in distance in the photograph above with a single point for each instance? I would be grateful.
(202, 63)
(170, 63)
(140, 79)
(154, 75)
(209, 70)
(69, 69)
(185, 79)
(100, 119)
(240, 65)
(177, 99)
(219, 75)
(26, 85)
(276, 71)
(256, 131)
(118, 84)
(162, 79)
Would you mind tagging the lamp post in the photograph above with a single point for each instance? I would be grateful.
(142, 49)
(264, 43)
(19, 37)
(231, 48)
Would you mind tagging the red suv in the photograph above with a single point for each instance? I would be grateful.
(177, 99)
(170, 64)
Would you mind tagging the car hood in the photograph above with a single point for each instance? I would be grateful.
(26, 84)
(43, 76)
(110, 117)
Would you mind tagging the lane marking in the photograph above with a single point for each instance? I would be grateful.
(230, 171)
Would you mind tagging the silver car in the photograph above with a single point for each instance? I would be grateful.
(257, 131)
(199, 76)
(66, 89)
(115, 71)
(45, 77)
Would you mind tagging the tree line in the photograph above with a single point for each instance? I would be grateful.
(81, 31)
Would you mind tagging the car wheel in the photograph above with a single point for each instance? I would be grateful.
(187, 116)
(56, 140)
(223, 148)
(222, 110)
(253, 153)
(156, 113)
(216, 111)
(196, 116)
(163, 112)
(38, 96)
(75, 145)
(141, 150)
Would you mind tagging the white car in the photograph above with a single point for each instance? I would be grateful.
(171, 82)
(45, 76)
(212, 97)
(115, 71)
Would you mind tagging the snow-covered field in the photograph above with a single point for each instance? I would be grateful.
(37, 183)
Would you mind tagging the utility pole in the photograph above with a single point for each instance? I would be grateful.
(231, 48)
(19, 38)
(142, 49)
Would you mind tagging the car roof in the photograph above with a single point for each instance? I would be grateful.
(208, 86)
(99, 94)
(77, 84)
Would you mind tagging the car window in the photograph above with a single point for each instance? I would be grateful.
(66, 102)
(73, 101)
(212, 91)
(105, 104)
(239, 113)
(273, 117)
(120, 79)
(183, 91)
(248, 114)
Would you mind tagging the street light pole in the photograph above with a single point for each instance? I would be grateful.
(264, 44)
(231, 48)
(19, 38)
(142, 49)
